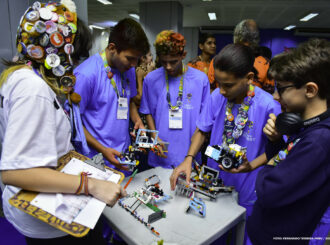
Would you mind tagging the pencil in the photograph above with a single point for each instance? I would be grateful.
(130, 179)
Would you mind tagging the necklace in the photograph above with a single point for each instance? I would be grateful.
(283, 153)
(110, 76)
(233, 127)
(179, 98)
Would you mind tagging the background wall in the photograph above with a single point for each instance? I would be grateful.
(275, 39)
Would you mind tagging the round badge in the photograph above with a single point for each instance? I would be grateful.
(36, 5)
(230, 117)
(66, 81)
(25, 37)
(21, 48)
(36, 52)
(64, 30)
(29, 27)
(73, 27)
(52, 60)
(68, 15)
(56, 39)
(45, 13)
(51, 7)
(44, 40)
(61, 19)
(32, 16)
(68, 48)
(50, 26)
(40, 26)
(58, 71)
(51, 50)
(54, 17)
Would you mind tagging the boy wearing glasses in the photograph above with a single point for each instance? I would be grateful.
(293, 188)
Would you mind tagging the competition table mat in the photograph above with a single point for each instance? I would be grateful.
(179, 227)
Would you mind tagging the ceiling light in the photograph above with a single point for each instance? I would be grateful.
(309, 16)
(288, 28)
(96, 27)
(135, 16)
(105, 2)
(212, 16)
(207, 0)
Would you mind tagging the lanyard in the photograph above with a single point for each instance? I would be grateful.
(179, 98)
(110, 76)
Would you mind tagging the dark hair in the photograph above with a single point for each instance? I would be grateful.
(247, 32)
(236, 59)
(128, 34)
(82, 42)
(309, 62)
(264, 52)
(204, 36)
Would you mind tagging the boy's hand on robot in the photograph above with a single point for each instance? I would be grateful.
(243, 168)
(110, 154)
(183, 168)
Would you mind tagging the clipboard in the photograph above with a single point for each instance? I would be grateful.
(22, 201)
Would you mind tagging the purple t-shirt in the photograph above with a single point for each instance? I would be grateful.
(99, 102)
(196, 90)
(212, 119)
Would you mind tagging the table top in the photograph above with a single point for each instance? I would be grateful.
(178, 227)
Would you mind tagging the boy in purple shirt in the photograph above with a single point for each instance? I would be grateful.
(236, 98)
(293, 188)
(106, 83)
(172, 98)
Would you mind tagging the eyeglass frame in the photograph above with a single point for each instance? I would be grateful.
(280, 90)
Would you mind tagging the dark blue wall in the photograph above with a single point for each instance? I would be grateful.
(275, 39)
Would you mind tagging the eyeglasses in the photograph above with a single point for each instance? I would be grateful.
(280, 90)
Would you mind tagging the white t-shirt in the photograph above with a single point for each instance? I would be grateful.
(35, 134)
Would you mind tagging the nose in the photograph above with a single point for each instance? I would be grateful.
(168, 66)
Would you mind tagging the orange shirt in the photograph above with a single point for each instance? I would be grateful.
(199, 65)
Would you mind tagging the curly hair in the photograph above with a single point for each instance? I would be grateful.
(169, 42)
(247, 32)
(309, 62)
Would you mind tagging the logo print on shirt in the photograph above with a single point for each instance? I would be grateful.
(188, 105)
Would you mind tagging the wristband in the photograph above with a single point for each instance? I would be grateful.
(190, 156)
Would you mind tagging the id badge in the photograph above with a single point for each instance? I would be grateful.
(175, 119)
(122, 109)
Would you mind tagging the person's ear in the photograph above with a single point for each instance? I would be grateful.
(201, 46)
(311, 90)
(112, 47)
(250, 77)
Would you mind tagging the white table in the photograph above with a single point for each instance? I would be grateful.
(179, 227)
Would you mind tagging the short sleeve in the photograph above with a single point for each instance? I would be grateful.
(30, 137)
